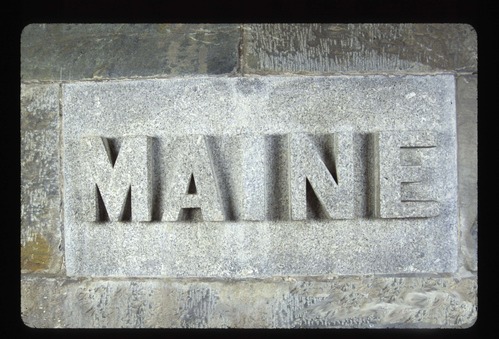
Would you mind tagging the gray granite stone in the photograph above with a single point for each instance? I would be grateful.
(189, 161)
(334, 192)
(398, 190)
(254, 170)
(41, 213)
(214, 112)
(432, 270)
(54, 52)
(466, 87)
(358, 48)
(112, 177)
(334, 302)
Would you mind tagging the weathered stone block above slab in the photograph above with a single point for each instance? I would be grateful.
(358, 48)
(165, 169)
(55, 52)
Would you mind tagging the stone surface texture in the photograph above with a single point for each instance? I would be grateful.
(354, 48)
(251, 91)
(337, 302)
(224, 245)
(94, 51)
(41, 199)
(467, 165)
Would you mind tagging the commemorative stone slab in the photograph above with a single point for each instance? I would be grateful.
(181, 177)
(248, 176)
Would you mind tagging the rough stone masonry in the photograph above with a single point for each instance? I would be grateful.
(251, 176)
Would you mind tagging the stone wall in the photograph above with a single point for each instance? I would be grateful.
(68, 70)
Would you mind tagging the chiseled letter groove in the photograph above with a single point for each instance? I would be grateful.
(403, 187)
(131, 172)
(335, 194)
(191, 158)
(253, 182)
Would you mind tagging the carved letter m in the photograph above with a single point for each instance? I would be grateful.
(115, 180)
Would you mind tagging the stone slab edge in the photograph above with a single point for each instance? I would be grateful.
(357, 302)
(48, 297)
(41, 182)
(68, 52)
(358, 48)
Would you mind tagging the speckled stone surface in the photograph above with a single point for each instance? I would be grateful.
(257, 266)
(407, 179)
(65, 52)
(358, 48)
(347, 239)
(113, 179)
(284, 302)
(41, 199)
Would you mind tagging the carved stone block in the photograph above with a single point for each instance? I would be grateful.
(364, 174)
(254, 175)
